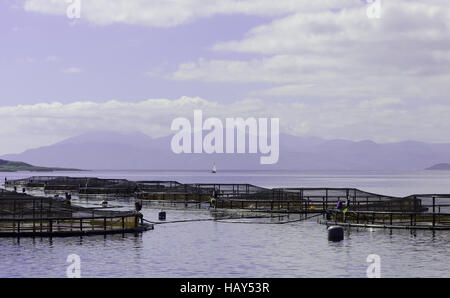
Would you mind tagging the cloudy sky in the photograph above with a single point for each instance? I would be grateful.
(323, 67)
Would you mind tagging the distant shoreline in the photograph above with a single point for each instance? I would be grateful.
(18, 166)
(41, 170)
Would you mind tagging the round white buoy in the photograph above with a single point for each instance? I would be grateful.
(335, 233)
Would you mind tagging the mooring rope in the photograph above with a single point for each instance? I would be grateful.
(200, 219)
(179, 221)
(273, 223)
(225, 220)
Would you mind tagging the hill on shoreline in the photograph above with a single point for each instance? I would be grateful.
(16, 166)
(440, 167)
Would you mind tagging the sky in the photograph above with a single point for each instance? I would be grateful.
(324, 68)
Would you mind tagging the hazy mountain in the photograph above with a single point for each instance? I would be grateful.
(440, 167)
(110, 150)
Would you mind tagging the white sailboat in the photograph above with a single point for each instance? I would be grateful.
(214, 170)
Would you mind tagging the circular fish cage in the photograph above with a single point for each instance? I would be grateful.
(22, 215)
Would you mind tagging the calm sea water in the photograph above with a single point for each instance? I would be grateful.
(220, 249)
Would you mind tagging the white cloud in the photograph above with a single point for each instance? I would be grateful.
(379, 119)
(72, 70)
(27, 60)
(51, 59)
(321, 53)
(312, 49)
(381, 102)
(168, 13)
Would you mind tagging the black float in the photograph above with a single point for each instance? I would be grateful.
(335, 233)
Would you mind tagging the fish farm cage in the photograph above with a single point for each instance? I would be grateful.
(172, 190)
(247, 196)
(433, 214)
(152, 190)
(85, 185)
(347, 206)
(22, 215)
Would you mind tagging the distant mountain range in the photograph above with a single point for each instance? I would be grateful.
(110, 150)
(15, 166)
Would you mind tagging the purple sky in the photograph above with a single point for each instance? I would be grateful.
(115, 60)
(323, 67)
